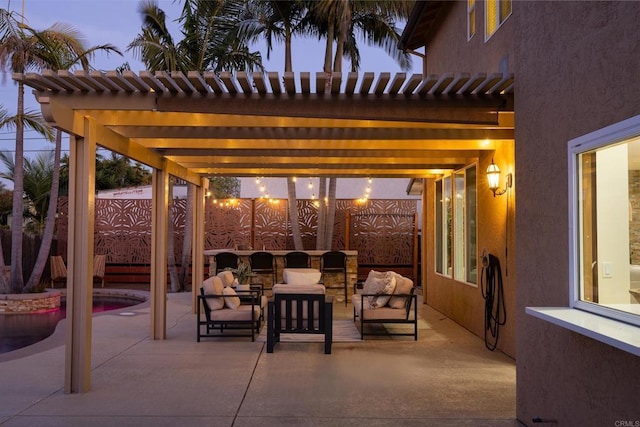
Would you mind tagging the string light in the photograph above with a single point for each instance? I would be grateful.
(264, 194)
(367, 191)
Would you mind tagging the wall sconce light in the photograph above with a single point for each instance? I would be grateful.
(493, 176)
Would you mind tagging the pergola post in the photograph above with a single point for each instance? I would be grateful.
(82, 155)
(159, 236)
(197, 249)
(424, 247)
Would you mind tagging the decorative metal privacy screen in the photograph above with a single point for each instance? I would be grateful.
(382, 231)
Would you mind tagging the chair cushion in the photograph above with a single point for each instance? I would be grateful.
(227, 278)
(231, 299)
(286, 288)
(242, 313)
(302, 276)
(213, 286)
(380, 284)
(403, 286)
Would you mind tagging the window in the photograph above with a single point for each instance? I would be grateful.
(471, 18)
(605, 241)
(444, 230)
(495, 13)
(456, 247)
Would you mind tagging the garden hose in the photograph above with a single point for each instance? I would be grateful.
(493, 294)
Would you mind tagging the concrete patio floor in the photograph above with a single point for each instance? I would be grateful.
(446, 378)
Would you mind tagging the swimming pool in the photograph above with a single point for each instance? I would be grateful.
(21, 330)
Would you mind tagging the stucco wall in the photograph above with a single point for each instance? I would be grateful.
(462, 302)
(450, 51)
(578, 68)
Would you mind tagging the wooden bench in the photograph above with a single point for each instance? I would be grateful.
(299, 313)
(135, 274)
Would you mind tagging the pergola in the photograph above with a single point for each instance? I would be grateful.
(199, 125)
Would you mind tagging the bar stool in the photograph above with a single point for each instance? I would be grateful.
(335, 262)
(297, 259)
(263, 263)
(226, 260)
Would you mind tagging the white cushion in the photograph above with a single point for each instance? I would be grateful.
(301, 276)
(231, 299)
(381, 285)
(373, 274)
(243, 312)
(364, 309)
(213, 286)
(227, 277)
(403, 286)
(285, 288)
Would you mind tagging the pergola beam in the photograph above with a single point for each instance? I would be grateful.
(321, 146)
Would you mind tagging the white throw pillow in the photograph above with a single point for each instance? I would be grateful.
(367, 288)
(308, 277)
(382, 286)
(403, 286)
(231, 299)
(227, 277)
(213, 286)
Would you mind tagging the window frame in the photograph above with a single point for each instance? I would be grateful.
(441, 229)
(471, 19)
(499, 20)
(608, 136)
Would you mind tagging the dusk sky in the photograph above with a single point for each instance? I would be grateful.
(117, 22)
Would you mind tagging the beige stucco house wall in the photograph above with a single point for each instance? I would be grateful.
(578, 71)
(576, 68)
(449, 51)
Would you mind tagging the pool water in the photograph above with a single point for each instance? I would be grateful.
(21, 330)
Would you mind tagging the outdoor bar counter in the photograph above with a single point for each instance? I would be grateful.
(333, 282)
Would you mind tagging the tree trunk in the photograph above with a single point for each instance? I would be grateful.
(50, 223)
(331, 214)
(322, 213)
(16, 280)
(171, 253)
(293, 214)
(187, 238)
(4, 284)
(288, 63)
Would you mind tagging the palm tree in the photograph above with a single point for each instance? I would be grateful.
(210, 43)
(278, 20)
(117, 171)
(38, 173)
(338, 21)
(4, 286)
(210, 38)
(24, 49)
